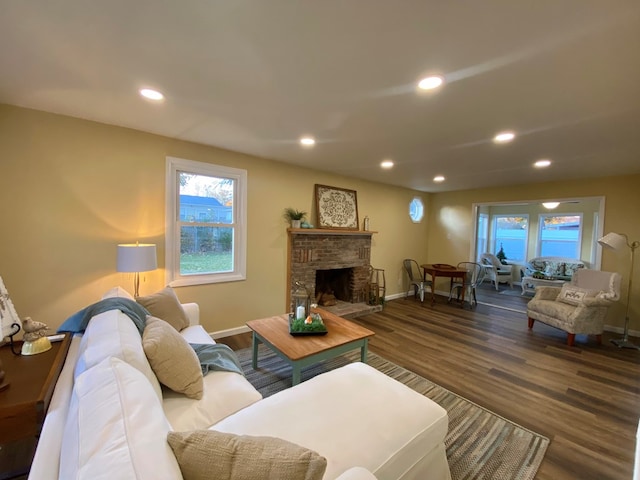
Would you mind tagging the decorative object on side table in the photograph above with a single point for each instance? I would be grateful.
(337, 208)
(294, 216)
(617, 241)
(136, 258)
(35, 339)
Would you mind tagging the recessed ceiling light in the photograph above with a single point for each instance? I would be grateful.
(542, 163)
(386, 164)
(504, 137)
(438, 178)
(550, 205)
(429, 83)
(308, 141)
(151, 94)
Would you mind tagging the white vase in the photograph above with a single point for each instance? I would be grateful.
(295, 223)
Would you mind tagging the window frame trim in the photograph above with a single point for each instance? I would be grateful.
(172, 215)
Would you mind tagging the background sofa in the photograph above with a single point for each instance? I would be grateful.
(558, 267)
(110, 416)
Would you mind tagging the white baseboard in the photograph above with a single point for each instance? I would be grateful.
(229, 332)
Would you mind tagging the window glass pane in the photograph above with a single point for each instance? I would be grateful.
(560, 235)
(510, 234)
(416, 210)
(205, 200)
(205, 250)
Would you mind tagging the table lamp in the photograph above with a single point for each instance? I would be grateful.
(617, 241)
(136, 258)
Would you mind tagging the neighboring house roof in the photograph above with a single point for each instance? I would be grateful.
(195, 200)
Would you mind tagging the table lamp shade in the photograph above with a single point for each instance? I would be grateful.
(136, 257)
(613, 240)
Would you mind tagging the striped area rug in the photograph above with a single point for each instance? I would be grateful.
(480, 444)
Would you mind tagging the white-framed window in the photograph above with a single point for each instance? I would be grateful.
(206, 216)
(559, 235)
(416, 210)
(510, 233)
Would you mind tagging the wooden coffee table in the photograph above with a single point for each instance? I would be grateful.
(302, 351)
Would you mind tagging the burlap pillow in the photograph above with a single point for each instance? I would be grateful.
(207, 454)
(165, 305)
(573, 295)
(172, 359)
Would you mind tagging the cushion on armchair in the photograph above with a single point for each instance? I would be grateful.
(572, 295)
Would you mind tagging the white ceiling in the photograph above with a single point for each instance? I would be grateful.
(255, 75)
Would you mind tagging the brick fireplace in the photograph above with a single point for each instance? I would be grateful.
(318, 257)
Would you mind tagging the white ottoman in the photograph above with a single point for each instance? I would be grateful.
(355, 416)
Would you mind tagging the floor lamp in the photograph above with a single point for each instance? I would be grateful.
(617, 241)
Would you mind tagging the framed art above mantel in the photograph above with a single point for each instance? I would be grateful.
(337, 208)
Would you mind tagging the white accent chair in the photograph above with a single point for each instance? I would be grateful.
(579, 306)
(495, 270)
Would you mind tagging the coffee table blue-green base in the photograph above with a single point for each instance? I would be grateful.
(298, 365)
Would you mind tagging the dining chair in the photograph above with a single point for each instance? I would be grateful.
(474, 277)
(416, 280)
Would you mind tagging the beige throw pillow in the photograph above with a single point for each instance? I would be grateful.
(207, 454)
(172, 359)
(165, 305)
(573, 295)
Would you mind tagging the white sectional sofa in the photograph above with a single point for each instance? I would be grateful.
(109, 416)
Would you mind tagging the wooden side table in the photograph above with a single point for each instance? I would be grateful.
(24, 404)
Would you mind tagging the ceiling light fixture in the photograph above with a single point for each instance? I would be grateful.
(151, 94)
(550, 205)
(438, 178)
(386, 164)
(307, 141)
(504, 137)
(542, 163)
(429, 83)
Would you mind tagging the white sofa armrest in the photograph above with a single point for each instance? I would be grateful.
(357, 473)
(193, 312)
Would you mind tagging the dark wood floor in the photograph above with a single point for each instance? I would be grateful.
(585, 399)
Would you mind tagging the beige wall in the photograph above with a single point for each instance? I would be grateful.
(451, 224)
(71, 190)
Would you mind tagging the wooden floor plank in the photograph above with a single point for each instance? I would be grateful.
(585, 398)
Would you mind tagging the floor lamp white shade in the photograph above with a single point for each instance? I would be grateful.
(136, 258)
(618, 241)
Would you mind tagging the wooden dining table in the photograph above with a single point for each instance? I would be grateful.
(436, 270)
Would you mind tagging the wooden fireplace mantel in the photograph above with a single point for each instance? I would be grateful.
(327, 231)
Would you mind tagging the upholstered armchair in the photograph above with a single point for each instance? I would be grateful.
(495, 270)
(579, 307)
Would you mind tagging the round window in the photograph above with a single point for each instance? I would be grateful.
(416, 210)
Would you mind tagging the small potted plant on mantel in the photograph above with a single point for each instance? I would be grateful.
(294, 216)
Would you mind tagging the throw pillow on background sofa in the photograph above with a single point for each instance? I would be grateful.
(207, 454)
